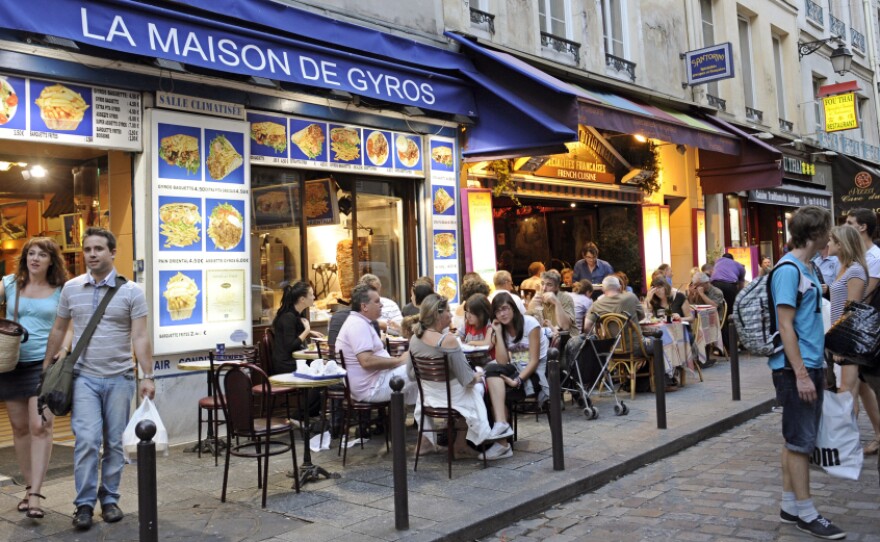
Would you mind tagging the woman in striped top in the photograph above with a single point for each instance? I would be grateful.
(849, 285)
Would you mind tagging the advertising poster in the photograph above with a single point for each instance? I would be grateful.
(60, 112)
(201, 219)
(407, 152)
(345, 144)
(268, 135)
(444, 239)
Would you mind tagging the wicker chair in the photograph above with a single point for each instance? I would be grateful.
(630, 359)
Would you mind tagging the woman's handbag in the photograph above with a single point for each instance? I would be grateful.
(855, 336)
(12, 334)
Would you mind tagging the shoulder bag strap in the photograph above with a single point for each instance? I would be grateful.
(15, 312)
(93, 322)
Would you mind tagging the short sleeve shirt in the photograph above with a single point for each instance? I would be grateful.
(357, 336)
(785, 284)
(519, 350)
(872, 258)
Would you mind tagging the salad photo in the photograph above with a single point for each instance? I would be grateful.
(8, 102)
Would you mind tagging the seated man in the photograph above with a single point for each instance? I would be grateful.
(702, 292)
(554, 309)
(391, 316)
(504, 283)
(370, 367)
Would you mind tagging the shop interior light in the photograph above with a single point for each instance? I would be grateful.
(6, 166)
(573, 205)
(35, 172)
(640, 138)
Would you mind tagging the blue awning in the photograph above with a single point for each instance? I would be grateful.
(237, 36)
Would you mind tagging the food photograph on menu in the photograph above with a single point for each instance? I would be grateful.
(321, 205)
(224, 295)
(441, 156)
(273, 205)
(180, 223)
(12, 117)
(308, 140)
(268, 135)
(444, 244)
(225, 159)
(225, 225)
(345, 144)
(443, 201)
(378, 148)
(61, 108)
(180, 302)
(180, 152)
(447, 286)
(407, 152)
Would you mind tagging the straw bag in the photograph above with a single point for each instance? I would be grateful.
(12, 334)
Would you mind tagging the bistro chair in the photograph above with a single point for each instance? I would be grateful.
(244, 421)
(359, 413)
(333, 395)
(630, 359)
(395, 348)
(432, 372)
(210, 404)
(265, 349)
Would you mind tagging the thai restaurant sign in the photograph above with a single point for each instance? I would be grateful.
(840, 112)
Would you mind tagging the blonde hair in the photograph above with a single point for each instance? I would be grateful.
(429, 312)
(851, 250)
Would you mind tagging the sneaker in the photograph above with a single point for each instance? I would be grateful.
(82, 517)
(821, 528)
(111, 512)
(785, 517)
(500, 430)
(497, 451)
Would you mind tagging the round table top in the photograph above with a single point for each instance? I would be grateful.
(205, 365)
(305, 354)
(288, 380)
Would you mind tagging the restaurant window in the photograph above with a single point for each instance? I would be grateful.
(612, 27)
(708, 19)
(553, 16)
(737, 220)
(860, 114)
(745, 55)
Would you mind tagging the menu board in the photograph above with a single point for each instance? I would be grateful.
(312, 144)
(58, 112)
(201, 232)
(444, 240)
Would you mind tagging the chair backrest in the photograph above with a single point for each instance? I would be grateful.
(722, 312)
(432, 369)
(264, 354)
(630, 343)
(238, 396)
(396, 348)
(325, 349)
(340, 357)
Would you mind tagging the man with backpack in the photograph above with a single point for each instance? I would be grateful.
(798, 374)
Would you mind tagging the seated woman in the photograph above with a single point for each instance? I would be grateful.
(291, 326)
(432, 339)
(477, 330)
(520, 355)
(582, 294)
(662, 298)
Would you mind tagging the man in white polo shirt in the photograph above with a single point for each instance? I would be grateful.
(104, 374)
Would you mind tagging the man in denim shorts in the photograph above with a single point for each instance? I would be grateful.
(798, 373)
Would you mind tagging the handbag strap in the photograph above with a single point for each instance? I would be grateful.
(15, 312)
(93, 322)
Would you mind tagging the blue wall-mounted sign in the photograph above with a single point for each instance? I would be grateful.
(709, 64)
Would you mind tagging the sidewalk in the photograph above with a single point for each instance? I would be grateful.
(476, 502)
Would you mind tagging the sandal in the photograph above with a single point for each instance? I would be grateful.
(23, 504)
(35, 512)
(872, 447)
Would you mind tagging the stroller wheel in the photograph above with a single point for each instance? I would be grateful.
(625, 409)
(618, 410)
(595, 413)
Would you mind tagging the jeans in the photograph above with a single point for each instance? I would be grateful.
(101, 408)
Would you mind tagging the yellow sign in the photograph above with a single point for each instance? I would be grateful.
(840, 112)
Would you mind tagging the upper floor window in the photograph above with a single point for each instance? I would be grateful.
(780, 76)
(612, 27)
(745, 55)
(708, 20)
(554, 17)
(817, 104)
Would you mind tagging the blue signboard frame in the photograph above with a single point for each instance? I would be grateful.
(709, 64)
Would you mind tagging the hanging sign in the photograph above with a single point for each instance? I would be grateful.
(709, 64)
(840, 112)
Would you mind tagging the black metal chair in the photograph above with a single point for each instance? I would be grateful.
(359, 412)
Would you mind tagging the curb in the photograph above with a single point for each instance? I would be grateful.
(485, 523)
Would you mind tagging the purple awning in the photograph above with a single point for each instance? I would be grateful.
(759, 165)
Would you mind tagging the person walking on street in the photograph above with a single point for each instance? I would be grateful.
(104, 379)
(798, 373)
(729, 276)
(36, 283)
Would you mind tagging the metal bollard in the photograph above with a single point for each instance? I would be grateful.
(148, 516)
(555, 409)
(398, 452)
(659, 377)
(734, 361)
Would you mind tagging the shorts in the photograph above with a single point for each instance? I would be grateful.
(21, 382)
(800, 420)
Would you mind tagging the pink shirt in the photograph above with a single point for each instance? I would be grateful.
(356, 336)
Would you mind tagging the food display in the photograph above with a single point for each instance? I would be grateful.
(345, 143)
(270, 134)
(8, 102)
(442, 201)
(442, 155)
(377, 148)
(182, 151)
(223, 158)
(444, 244)
(407, 150)
(181, 294)
(317, 200)
(225, 226)
(179, 224)
(310, 140)
(447, 288)
(344, 263)
(61, 108)
(274, 203)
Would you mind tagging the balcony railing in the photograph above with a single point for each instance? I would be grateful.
(716, 102)
(815, 13)
(621, 65)
(858, 40)
(754, 115)
(786, 126)
(838, 28)
(562, 45)
(480, 18)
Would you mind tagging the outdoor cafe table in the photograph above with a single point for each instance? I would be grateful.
(307, 471)
(676, 348)
(306, 354)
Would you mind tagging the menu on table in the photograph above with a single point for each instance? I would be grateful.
(201, 225)
(444, 216)
(59, 112)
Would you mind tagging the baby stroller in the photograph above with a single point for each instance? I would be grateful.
(588, 362)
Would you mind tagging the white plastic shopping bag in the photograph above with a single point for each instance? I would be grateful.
(147, 411)
(838, 449)
(826, 315)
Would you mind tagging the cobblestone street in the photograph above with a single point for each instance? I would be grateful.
(726, 488)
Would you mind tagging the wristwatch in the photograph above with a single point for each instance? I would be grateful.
(148, 377)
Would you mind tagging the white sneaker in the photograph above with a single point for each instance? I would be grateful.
(497, 451)
(500, 430)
